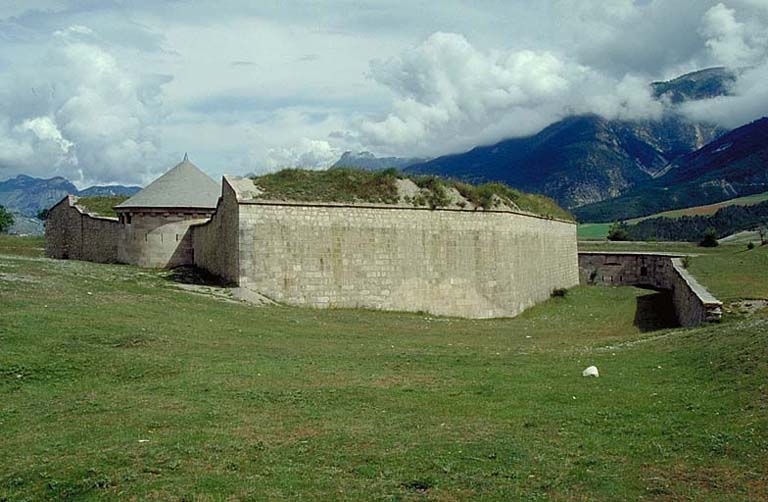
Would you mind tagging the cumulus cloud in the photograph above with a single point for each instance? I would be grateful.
(743, 46)
(87, 90)
(307, 153)
(729, 40)
(450, 94)
(748, 101)
(48, 137)
(84, 117)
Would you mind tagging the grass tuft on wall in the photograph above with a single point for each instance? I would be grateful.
(102, 206)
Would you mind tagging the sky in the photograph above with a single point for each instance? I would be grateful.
(116, 91)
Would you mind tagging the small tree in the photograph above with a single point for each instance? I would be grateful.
(618, 232)
(763, 232)
(6, 220)
(710, 239)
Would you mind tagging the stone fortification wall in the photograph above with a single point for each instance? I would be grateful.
(158, 238)
(72, 233)
(216, 243)
(455, 263)
(694, 305)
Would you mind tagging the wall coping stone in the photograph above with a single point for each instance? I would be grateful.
(704, 295)
(639, 253)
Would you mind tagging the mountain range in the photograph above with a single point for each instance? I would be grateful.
(734, 165)
(26, 196)
(586, 159)
(580, 159)
(369, 162)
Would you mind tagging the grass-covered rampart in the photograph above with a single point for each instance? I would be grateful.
(346, 185)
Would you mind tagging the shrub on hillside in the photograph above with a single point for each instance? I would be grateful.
(618, 232)
(710, 239)
(6, 220)
(437, 192)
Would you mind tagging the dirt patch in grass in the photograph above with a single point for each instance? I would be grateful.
(677, 482)
(406, 381)
(747, 307)
(17, 278)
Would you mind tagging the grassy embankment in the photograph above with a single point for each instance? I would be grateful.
(115, 384)
(355, 185)
(599, 231)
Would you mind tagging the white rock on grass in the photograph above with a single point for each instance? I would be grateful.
(591, 372)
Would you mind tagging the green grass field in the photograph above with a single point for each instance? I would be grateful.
(593, 231)
(599, 231)
(116, 384)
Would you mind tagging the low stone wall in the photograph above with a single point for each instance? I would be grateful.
(694, 305)
(453, 263)
(73, 233)
(216, 243)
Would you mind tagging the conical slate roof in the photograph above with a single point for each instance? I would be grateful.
(183, 186)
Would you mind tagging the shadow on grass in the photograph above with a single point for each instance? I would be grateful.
(196, 276)
(655, 311)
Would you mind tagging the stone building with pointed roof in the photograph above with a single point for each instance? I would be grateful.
(152, 228)
(156, 221)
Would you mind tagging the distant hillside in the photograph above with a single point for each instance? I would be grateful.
(702, 84)
(578, 160)
(24, 225)
(586, 159)
(109, 191)
(726, 221)
(731, 166)
(369, 162)
(599, 231)
(26, 196)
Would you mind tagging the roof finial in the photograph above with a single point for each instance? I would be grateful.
(186, 157)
